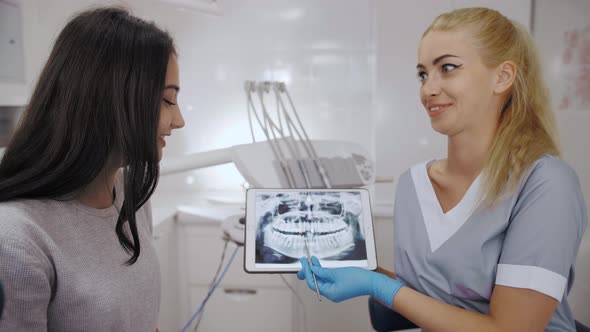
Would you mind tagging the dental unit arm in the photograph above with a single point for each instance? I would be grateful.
(287, 158)
(347, 164)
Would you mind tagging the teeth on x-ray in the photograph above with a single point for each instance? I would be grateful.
(317, 219)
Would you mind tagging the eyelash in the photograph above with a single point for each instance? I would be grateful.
(450, 64)
(422, 73)
(169, 102)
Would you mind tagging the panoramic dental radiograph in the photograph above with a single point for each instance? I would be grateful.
(330, 223)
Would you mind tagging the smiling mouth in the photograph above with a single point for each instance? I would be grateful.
(436, 110)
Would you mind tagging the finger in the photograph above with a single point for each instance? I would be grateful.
(307, 273)
(321, 272)
(315, 261)
(301, 274)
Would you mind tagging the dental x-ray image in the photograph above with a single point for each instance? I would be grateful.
(329, 222)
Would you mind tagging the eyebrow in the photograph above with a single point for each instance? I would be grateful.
(172, 86)
(437, 60)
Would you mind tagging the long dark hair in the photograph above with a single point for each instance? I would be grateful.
(99, 94)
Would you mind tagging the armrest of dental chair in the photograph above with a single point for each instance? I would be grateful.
(581, 327)
(384, 319)
(1, 300)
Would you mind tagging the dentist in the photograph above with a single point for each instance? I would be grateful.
(487, 238)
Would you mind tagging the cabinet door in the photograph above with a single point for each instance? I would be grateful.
(244, 309)
(203, 251)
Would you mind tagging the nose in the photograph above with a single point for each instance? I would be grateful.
(178, 119)
(431, 87)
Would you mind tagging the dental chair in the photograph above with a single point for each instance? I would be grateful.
(1, 300)
(384, 319)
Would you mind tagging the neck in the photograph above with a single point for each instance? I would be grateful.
(99, 193)
(467, 153)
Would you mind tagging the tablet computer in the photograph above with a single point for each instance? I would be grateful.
(336, 225)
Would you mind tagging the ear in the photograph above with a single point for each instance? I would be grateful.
(505, 76)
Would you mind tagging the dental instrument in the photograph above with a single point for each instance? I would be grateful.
(315, 281)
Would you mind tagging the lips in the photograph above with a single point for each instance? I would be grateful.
(162, 141)
(437, 109)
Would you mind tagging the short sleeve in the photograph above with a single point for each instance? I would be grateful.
(546, 227)
(27, 287)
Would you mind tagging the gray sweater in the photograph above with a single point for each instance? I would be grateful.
(63, 269)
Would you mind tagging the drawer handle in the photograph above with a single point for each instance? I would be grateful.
(239, 291)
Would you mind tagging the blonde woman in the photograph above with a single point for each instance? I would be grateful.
(486, 239)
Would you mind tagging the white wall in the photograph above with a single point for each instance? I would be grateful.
(552, 20)
(16, 93)
(323, 55)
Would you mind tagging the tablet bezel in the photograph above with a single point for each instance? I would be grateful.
(251, 222)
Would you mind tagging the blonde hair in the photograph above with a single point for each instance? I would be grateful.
(527, 127)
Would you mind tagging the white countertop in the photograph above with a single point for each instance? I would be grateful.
(212, 207)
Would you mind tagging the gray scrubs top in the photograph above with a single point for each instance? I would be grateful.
(529, 239)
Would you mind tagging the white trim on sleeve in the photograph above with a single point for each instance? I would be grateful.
(532, 277)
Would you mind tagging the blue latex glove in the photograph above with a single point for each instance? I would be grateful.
(343, 283)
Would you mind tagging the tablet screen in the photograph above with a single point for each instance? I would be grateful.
(331, 223)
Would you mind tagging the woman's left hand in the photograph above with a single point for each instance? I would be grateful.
(341, 284)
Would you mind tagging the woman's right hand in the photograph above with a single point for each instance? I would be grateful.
(339, 284)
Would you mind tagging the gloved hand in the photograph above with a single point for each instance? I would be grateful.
(343, 283)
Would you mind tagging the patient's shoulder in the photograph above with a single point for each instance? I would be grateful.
(22, 220)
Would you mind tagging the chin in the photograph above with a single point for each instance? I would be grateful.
(447, 126)
(448, 131)
(441, 128)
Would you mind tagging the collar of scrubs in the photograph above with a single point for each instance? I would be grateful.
(441, 226)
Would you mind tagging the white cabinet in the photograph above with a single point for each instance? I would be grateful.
(190, 247)
(242, 302)
(245, 309)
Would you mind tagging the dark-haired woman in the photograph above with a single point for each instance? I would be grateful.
(75, 222)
